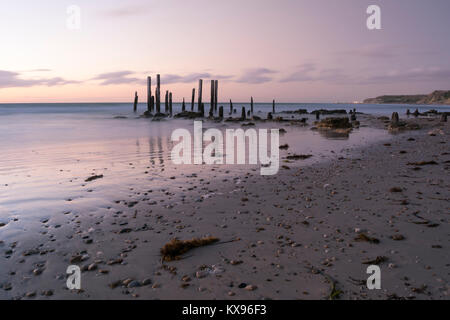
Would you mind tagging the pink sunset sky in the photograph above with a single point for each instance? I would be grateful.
(290, 50)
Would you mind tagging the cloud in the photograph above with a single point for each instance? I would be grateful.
(190, 78)
(10, 79)
(256, 75)
(430, 74)
(118, 77)
(310, 72)
(303, 73)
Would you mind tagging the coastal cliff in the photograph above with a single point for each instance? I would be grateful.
(436, 97)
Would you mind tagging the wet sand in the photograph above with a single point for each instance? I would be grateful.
(288, 236)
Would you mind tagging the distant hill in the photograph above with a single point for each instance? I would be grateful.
(437, 97)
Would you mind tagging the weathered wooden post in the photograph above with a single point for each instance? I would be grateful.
(212, 98)
(216, 93)
(273, 106)
(149, 94)
(243, 113)
(170, 103)
(444, 117)
(269, 116)
(231, 107)
(166, 102)
(394, 119)
(416, 113)
(408, 112)
(221, 112)
(183, 106)
(158, 93)
(135, 102)
(251, 105)
(200, 89)
(193, 99)
(202, 109)
(152, 104)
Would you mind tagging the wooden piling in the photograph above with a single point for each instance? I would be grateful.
(251, 105)
(243, 113)
(166, 102)
(193, 99)
(135, 101)
(158, 93)
(152, 104)
(202, 109)
(149, 94)
(212, 98)
(394, 119)
(221, 112)
(216, 87)
(183, 106)
(273, 106)
(170, 103)
(231, 107)
(200, 89)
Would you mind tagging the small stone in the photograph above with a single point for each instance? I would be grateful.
(126, 282)
(201, 274)
(231, 293)
(92, 267)
(250, 287)
(146, 281)
(134, 284)
(398, 237)
(242, 285)
(48, 293)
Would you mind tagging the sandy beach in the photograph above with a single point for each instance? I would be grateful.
(308, 232)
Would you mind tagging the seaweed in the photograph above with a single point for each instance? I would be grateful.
(93, 178)
(377, 260)
(175, 248)
(422, 163)
(366, 238)
(299, 156)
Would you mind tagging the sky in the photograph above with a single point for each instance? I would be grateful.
(288, 50)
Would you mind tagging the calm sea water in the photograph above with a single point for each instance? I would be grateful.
(126, 108)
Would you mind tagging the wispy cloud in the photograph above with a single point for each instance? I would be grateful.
(118, 77)
(256, 75)
(190, 78)
(310, 72)
(302, 73)
(10, 79)
(430, 74)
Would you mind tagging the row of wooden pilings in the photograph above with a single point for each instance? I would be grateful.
(154, 101)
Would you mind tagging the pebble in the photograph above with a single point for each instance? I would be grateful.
(250, 287)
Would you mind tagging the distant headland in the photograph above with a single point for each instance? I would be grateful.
(436, 97)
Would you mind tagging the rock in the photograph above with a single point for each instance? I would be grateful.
(201, 274)
(146, 282)
(250, 287)
(334, 123)
(242, 285)
(134, 284)
(92, 267)
(397, 237)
